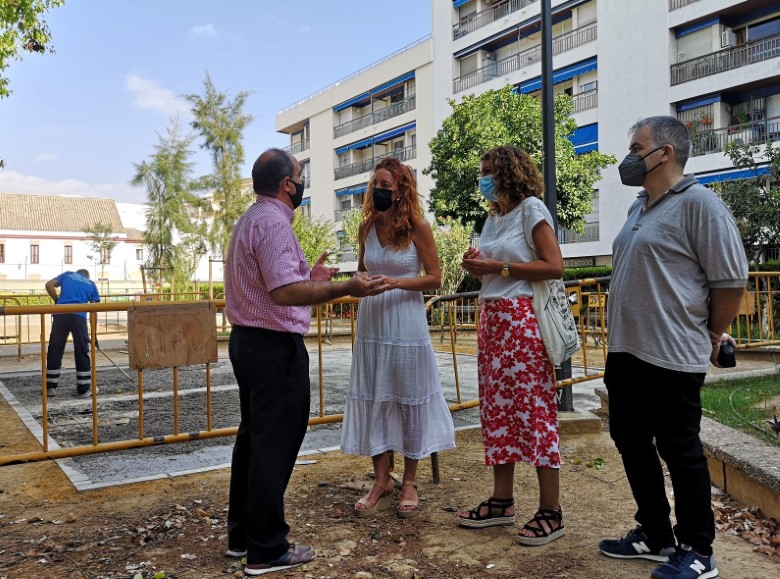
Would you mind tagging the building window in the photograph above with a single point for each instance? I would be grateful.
(68, 254)
(34, 254)
(139, 253)
(2, 252)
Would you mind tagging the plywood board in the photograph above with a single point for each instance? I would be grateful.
(169, 335)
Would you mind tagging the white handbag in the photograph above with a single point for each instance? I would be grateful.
(553, 313)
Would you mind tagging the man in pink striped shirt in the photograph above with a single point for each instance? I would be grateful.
(269, 290)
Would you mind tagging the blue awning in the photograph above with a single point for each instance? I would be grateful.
(306, 202)
(585, 138)
(352, 101)
(395, 81)
(354, 190)
(732, 175)
(700, 102)
(358, 145)
(394, 133)
(560, 75)
(682, 31)
(459, 3)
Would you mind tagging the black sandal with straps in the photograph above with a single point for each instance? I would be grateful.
(476, 520)
(541, 535)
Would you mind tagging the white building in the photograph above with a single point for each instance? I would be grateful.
(43, 235)
(340, 133)
(715, 64)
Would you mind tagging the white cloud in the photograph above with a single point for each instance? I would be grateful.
(204, 30)
(13, 182)
(149, 95)
(44, 157)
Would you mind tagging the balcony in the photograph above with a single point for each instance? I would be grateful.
(727, 59)
(585, 101)
(591, 233)
(751, 133)
(338, 214)
(403, 155)
(393, 110)
(297, 147)
(560, 43)
(675, 4)
(477, 20)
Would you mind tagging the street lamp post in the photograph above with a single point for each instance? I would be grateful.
(565, 400)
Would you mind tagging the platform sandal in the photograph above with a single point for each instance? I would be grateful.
(541, 535)
(476, 520)
(412, 506)
(382, 503)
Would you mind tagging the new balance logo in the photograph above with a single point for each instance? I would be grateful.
(641, 547)
(698, 566)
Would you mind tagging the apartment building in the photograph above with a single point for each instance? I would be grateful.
(339, 133)
(715, 64)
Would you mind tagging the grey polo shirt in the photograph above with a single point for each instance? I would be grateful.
(665, 261)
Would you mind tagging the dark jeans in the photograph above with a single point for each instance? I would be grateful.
(61, 326)
(646, 402)
(272, 371)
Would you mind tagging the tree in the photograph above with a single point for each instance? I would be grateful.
(102, 242)
(755, 201)
(315, 236)
(501, 117)
(452, 240)
(166, 175)
(22, 29)
(220, 122)
(350, 225)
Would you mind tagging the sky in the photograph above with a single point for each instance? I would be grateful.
(79, 119)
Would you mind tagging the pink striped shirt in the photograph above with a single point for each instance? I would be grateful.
(264, 254)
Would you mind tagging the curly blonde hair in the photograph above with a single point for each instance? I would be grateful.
(408, 211)
(515, 174)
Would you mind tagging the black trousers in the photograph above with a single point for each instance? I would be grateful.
(272, 371)
(61, 326)
(647, 402)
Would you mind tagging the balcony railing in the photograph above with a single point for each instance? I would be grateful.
(751, 133)
(591, 233)
(297, 147)
(585, 101)
(403, 155)
(338, 215)
(727, 59)
(479, 19)
(389, 112)
(675, 4)
(561, 43)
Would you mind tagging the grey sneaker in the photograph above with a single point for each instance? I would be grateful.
(295, 555)
(636, 545)
(86, 393)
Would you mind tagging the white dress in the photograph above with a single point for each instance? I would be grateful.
(395, 401)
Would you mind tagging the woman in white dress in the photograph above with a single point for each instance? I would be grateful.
(395, 401)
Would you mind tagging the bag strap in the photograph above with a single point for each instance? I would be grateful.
(528, 242)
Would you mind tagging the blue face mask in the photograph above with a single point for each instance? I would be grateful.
(488, 187)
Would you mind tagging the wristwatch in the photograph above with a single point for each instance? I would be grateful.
(505, 269)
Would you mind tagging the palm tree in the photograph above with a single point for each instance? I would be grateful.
(166, 175)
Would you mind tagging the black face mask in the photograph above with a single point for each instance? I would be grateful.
(298, 197)
(633, 171)
(382, 199)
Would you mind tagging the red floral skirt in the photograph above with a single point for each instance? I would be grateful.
(518, 406)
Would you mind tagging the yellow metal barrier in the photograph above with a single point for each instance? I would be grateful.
(455, 316)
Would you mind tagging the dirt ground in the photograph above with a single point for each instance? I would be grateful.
(177, 528)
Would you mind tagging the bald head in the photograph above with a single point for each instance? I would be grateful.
(270, 169)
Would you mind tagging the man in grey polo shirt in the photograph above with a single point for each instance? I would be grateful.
(679, 273)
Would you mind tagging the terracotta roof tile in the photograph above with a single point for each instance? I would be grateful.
(57, 213)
